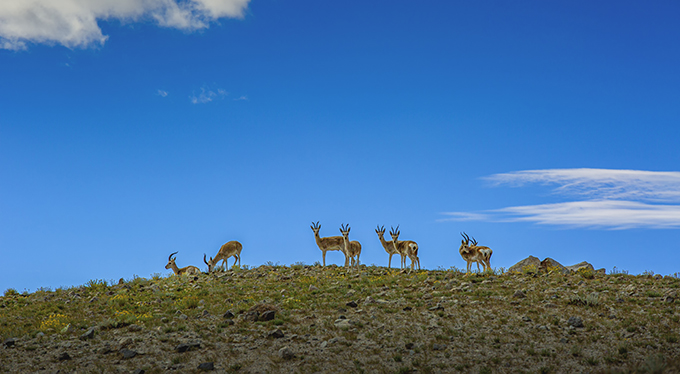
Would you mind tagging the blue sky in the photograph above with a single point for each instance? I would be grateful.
(133, 129)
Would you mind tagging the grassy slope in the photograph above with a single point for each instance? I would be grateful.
(427, 321)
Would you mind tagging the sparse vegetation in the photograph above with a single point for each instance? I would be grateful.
(369, 319)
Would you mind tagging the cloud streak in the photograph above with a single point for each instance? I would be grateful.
(74, 23)
(207, 95)
(610, 199)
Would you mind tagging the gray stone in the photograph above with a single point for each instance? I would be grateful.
(342, 323)
(519, 294)
(64, 357)
(313, 287)
(9, 342)
(206, 366)
(251, 316)
(267, 316)
(580, 265)
(89, 334)
(529, 261)
(369, 300)
(228, 314)
(352, 304)
(575, 322)
(187, 347)
(551, 265)
(438, 347)
(139, 371)
(128, 353)
(276, 334)
(286, 353)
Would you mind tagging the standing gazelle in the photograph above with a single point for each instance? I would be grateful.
(389, 246)
(188, 270)
(228, 249)
(474, 253)
(352, 248)
(407, 248)
(329, 243)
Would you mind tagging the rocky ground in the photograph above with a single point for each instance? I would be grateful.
(311, 319)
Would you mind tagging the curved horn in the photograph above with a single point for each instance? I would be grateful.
(173, 253)
(206, 262)
(474, 241)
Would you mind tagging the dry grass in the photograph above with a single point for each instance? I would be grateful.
(426, 321)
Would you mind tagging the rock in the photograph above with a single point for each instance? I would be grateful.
(369, 300)
(206, 366)
(575, 322)
(286, 353)
(352, 304)
(276, 334)
(89, 334)
(126, 341)
(551, 265)
(313, 287)
(526, 319)
(128, 353)
(342, 323)
(602, 271)
(407, 308)
(134, 328)
(251, 316)
(64, 357)
(187, 347)
(323, 344)
(437, 307)
(529, 261)
(9, 342)
(519, 294)
(228, 314)
(408, 345)
(438, 347)
(139, 371)
(267, 316)
(580, 265)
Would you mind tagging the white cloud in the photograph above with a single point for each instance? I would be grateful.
(601, 183)
(73, 23)
(207, 95)
(241, 98)
(614, 199)
(611, 214)
(162, 93)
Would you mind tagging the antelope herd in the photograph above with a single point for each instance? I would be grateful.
(469, 250)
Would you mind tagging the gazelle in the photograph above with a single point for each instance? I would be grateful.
(352, 248)
(329, 243)
(389, 246)
(228, 249)
(474, 253)
(407, 248)
(188, 270)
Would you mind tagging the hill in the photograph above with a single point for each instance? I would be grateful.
(313, 319)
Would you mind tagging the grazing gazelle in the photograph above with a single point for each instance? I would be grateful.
(389, 246)
(329, 243)
(352, 248)
(189, 270)
(475, 253)
(407, 248)
(229, 249)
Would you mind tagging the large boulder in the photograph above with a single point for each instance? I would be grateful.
(549, 264)
(529, 261)
(581, 265)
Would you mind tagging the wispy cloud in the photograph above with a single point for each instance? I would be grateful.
(73, 23)
(207, 95)
(613, 199)
(162, 93)
(241, 98)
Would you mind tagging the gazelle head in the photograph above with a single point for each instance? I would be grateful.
(171, 261)
(209, 263)
(344, 229)
(315, 227)
(380, 231)
(465, 243)
(394, 233)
